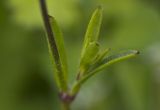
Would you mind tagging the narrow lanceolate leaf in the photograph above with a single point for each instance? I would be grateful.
(93, 29)
(89, 56)
(105, 63)
(60, 63)
(115, 58)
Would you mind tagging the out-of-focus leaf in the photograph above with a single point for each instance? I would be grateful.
(26, 12)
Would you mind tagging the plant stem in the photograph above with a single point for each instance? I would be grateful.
(50, 34)
(48, 28)
(65, 106)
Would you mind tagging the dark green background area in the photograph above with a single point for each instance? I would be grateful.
(26, 77)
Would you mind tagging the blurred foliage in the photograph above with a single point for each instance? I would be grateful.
(25, 71)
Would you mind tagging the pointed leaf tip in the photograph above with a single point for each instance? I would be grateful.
(115, 58)
(108, 61)
(93, 29)
(137, 52)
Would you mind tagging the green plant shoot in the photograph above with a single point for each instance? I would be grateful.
(92, 59)
(90, 46)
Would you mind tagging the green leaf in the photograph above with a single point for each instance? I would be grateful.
(93, 29)
(59, 63)
(113, 59)
(105, 63)
(101, 55)
(90, 47)
(89, 56)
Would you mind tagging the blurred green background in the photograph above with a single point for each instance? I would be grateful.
(26, 78)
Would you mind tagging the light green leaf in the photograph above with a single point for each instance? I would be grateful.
(59, 63)
(105, 63)
(115, 58)
(89, 56)
(93, 29)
